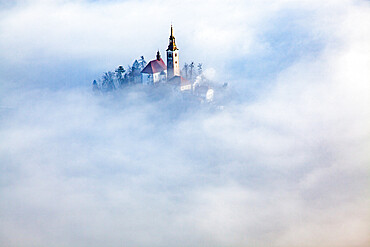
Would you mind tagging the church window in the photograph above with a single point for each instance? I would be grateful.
(175, 54)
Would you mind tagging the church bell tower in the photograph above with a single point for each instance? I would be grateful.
(173, 65)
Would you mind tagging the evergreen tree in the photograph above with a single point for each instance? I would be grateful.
(185, 69)
(120, 75)
(200, 68)
(95, 86)
(142, 63)
(135, 65)
(191, 70)
(108, 81)
(135, 72)
(128, 74)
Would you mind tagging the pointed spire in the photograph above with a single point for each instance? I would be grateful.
(172, 43)
(158, 56)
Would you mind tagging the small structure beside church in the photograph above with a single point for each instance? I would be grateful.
(154, 72)
(180, 82)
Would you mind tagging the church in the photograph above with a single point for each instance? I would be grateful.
(156, 71)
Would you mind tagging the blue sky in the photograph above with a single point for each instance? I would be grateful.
(285, 163)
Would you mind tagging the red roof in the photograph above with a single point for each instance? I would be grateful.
(154, 66)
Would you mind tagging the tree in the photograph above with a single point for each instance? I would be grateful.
(135, 75)
(191, 70)
(135, 65)
(128, 74)
(200, 68)
(95, 86)
(120, 75)
(142, 62)
(108, 81)
(185, 69)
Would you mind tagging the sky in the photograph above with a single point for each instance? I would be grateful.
(284, 161)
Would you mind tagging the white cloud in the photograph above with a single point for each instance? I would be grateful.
(285, 164)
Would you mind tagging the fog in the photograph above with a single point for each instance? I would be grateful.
(284, 161)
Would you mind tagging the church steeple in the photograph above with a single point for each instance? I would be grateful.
(158, 56)
(173, 63)
(172, 43)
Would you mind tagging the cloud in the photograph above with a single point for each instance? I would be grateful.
(284, 164)
(42, 39)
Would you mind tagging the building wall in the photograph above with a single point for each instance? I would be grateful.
(148, 79)
(173, 64)
(163, 76)
(185, 87)
(155, 77)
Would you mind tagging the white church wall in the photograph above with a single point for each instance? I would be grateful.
(156, 77)
(146, 79)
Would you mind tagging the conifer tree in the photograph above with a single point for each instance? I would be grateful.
(120, 75)
(142, 62)
(185, 69)
(191, 70)
(95, 86)
(200, 68)
(108, 81)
